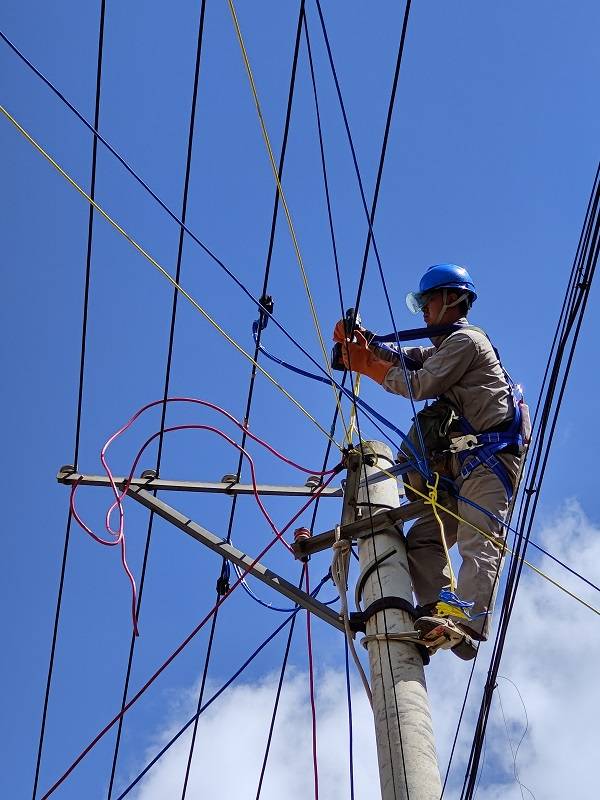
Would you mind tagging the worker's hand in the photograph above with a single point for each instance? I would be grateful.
(339, 332)
(359, 358)
(355, 353)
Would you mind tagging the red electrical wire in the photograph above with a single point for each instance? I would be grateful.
(311, 684)
(185, 642)
(120, 533)
(242, 426)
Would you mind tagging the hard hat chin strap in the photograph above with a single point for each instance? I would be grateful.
(446, 305)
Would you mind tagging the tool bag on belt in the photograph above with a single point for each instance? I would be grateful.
(445, 433)
(437, 421)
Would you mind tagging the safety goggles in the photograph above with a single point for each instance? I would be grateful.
(416, 301)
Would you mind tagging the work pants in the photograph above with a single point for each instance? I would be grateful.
(479, 572)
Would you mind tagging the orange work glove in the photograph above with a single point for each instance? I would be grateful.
(339, 332)
(357, 357)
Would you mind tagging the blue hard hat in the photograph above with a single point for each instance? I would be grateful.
(441, 276)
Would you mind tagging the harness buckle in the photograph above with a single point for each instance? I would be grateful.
(466, 442)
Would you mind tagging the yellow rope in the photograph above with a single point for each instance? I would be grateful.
(352, 422)
(432, 501)
(286, 209)
(503, 547)
(164, 272)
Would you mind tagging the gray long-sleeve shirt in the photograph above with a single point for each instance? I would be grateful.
(464, 368)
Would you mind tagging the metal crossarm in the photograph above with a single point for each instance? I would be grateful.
(362, 527)
(245, 562)
(68, 476)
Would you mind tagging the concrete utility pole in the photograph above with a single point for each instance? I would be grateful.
(405, 745)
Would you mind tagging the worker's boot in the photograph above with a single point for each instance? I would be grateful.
(442, 633)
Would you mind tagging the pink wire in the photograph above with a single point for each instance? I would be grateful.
(120, 533)
(183, 644)
(242, 426)
(311, 684)
(220, 433)
(120, 539)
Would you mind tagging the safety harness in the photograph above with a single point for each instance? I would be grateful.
(446, 432)
(480, 449)
(471, 448)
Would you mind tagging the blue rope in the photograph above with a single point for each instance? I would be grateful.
(370, 412)
(218, 693)
(270, 606)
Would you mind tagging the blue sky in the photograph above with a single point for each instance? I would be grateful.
(490, 163)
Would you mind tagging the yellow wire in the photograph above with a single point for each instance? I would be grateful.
(352, 421)
(432, 501)
(504, 548)
(286, 209)
(164, 272)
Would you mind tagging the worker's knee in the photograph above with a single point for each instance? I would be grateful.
(482, 502)
(425, 533)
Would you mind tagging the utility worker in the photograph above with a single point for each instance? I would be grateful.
(463, 374)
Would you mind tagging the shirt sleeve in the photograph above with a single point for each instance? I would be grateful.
(441, 370)
(413, 356)
(389, 353)
(418, 354)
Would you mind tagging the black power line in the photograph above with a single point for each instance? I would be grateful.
(588, 253)
(370, 215)
(184, 206)
(222, 582)
(559, 334)
(84, 324)
(282, 672)
(338, 277)
(370, 219)
(388, 122)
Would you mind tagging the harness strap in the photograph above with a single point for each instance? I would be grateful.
(473, 460)
(492, 442)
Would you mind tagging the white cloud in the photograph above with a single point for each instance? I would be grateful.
(552, 655)
(232, 736)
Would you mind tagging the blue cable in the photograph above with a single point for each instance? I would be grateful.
(270, 606)
(370, 412)
(218, 693)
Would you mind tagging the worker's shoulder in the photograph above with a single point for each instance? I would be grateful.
(470, 334)
(468, 341)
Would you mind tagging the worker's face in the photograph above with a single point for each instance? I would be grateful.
(432, 307)
(434, 304)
